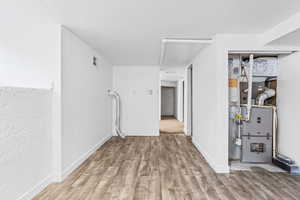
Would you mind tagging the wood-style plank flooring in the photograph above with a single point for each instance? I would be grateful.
(164, 167)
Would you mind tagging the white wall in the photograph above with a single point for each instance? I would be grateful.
(138, 87)
(288, 106)
(34, 56)
(180, 96)
(25, 141)
(86, 106)
(188, 101)
(30, 56)
(205, 107)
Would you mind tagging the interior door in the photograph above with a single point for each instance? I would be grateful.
(168, 101)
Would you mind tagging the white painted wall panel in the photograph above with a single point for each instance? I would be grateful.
(188, 101)
(30, 57)
(288, 106)
(25, 141)
(205, 106)
(86, 106)
(138, 87)
(204, 102)
(180, 100)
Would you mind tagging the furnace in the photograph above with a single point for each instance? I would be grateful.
(252, 98)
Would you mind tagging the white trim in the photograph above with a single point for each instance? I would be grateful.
(83, 158)
(162, 53)
(262, 52)
(220, 169)
(282, 29)
(45, 182)
(37, 188)
(179, 40)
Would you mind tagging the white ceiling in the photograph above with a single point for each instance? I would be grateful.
(22, 13)
(291, 39)
(179, 53)
(172, 73)
(129, 32)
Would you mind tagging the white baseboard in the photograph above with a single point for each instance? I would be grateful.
(84, 157)
(37, 188)
(217, 168)
(45, 182)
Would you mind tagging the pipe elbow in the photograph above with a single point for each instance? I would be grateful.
(268, 93)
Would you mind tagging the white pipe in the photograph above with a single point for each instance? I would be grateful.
(268, 93)
(250, 78)
(116, 96)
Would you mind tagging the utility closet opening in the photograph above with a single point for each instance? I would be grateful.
(253, 112)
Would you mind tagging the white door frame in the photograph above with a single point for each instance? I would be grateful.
(188, 101)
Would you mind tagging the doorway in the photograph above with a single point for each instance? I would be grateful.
(168, 101)
(171, 108)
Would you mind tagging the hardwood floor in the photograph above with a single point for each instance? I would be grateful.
(164, 167)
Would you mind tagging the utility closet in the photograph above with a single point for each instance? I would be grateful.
(253, 118)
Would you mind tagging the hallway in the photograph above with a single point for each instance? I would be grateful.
(164, 167)
(170, 125)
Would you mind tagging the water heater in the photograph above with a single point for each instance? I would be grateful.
(234, 71)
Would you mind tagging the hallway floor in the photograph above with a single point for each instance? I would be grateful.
(164, 167)
(170, 125)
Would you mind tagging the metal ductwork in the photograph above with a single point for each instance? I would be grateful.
(268, 93)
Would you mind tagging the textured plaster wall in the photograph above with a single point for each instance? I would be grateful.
(25, 140)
